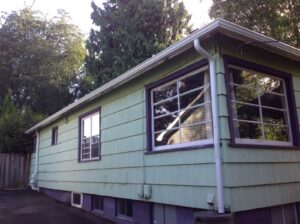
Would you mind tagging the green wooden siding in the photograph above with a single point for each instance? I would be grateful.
(182, 178)
(253, 178)
(259, 177)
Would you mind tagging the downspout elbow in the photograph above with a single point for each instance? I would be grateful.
(215, 119)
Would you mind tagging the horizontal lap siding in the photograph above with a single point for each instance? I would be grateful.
(264, 195)
(124, 166)
(261, 177)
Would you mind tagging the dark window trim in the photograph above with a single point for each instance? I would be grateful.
(79, 134)
(229, 60)
(54, 129)
(160, 82)
(121, 216)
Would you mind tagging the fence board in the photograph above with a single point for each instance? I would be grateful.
(14, 170)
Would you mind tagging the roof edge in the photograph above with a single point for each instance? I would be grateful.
(147, 65)
(219, 25)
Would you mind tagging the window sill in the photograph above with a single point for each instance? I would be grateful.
(241, 145)
(124, 217)
(89, 160)
(180, 149)
(98, 212)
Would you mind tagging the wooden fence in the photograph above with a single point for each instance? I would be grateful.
(14, 170)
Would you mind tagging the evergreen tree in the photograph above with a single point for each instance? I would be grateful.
(131, 31)
(279, 19)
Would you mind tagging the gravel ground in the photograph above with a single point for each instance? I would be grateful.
(28, 207)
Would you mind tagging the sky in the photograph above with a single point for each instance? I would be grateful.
(80, 10)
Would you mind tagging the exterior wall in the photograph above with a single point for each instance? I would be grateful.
(62, 196)
(258, 177)
(253, 177)
(182, 178)
(142, 211)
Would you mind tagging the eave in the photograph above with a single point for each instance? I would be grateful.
(217, 26)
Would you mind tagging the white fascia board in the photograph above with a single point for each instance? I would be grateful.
(219, 25)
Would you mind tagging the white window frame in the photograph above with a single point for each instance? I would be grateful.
(186, 144)
(81, 199)
(285, 109)
(81, 137)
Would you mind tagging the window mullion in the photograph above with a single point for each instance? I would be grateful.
(91, 137)
(179, 110)
(260, 110)
(287, 114)
(81, 141)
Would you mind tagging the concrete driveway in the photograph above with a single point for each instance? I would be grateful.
(28, 207)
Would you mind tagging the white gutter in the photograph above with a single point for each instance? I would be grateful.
(34, 177)
(215, 118)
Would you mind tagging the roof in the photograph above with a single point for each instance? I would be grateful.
(219, 25)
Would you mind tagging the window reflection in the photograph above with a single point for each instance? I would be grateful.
(259, 106)
(182, 116)
(90, 142)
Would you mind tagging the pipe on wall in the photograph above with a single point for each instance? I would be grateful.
(215, 119)
(34, 177)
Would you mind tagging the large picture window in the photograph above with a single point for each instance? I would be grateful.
(260, 110)
(90, 136)
(181, 111)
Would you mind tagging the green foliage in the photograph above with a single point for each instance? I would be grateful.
(40, 60)
(13, 123)
(131, 31)
(279, 19)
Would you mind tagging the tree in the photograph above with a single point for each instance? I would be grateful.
(131, 31)
(279, 19)
(41, 60)
(13, 123)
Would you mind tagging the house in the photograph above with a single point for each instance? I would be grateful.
(207, 128)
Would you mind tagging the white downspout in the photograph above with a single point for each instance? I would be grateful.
(215, 119)
(34, 177)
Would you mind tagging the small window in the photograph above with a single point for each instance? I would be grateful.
(180, 111)
(90, 136)
(76, 199)
(260, 108)
(98, 203)
(124, 208)
(54, 138)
